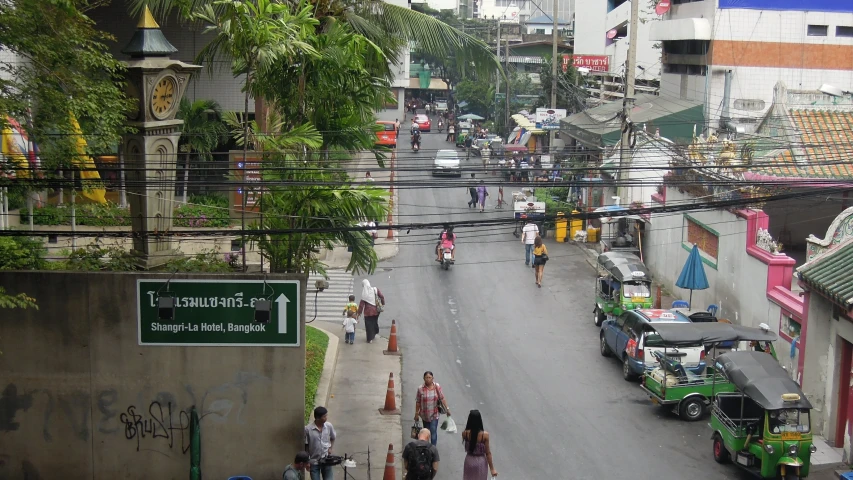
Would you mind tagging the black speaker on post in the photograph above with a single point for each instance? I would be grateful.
(166, 308)
(262, 311)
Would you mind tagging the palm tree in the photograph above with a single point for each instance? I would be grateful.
(253, 35)
(202, 131)
(389, 26)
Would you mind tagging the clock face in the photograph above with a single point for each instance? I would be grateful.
(163, 96)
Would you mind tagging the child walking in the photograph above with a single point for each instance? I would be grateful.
(351, 306)
(349, 328)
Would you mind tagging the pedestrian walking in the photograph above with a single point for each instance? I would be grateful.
(472, 190)
(420, 457)
(478, 454)
(482, 193)
(351, 306)
(368, 177)
(319, 441)
(397, 125)
(349, 327)
(296, 470)
(429, 404)
(451, 133)
(371, 305)
(540, 256)
(528, 237)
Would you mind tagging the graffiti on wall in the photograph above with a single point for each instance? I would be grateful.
(159, 421)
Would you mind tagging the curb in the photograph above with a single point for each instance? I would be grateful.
(324, 388)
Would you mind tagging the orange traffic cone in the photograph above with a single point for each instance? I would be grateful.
(392, 341)
(390, 399)
(390, 471)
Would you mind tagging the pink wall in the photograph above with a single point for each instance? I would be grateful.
(780, 270)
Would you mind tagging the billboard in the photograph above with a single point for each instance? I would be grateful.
(839, 6)
(549, 118)
(595, 63)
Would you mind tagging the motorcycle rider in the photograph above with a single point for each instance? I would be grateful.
(414, 127)
(447, 239)
(416, 139)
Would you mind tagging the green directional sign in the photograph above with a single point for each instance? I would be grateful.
(219, 313)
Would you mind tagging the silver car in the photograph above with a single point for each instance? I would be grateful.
(447, 162)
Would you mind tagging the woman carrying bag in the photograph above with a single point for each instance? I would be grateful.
(371, 305)
(540, 256)
(430, 404)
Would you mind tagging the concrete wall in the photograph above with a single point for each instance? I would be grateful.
(737, 283)
(822, 362)
(81, 398)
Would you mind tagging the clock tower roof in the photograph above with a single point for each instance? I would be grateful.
(148, 40)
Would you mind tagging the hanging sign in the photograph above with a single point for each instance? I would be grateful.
(662, 7)
(611, 34)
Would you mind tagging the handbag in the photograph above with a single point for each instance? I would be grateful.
(440, 402)
(416, 429)
(380, 307)
(544, 257)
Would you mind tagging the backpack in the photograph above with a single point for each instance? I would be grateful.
(420, 466)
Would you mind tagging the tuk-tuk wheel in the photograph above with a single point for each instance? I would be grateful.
(598, 317)
(692, 409)
(721, 455)
(792, 476)
(602, 346)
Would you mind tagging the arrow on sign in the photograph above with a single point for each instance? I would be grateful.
(282, 313)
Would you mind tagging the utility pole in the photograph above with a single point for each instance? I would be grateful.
(506, 69)
(628, 102)
(498, 53)
(554, 39)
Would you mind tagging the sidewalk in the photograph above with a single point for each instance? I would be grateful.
(355, 377)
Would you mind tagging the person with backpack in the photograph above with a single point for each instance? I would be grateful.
(420, 457)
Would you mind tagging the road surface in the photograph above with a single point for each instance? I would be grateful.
(527, 358)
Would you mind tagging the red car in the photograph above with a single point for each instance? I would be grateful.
(423, 122)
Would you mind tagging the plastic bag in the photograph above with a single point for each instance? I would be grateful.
(448, 425)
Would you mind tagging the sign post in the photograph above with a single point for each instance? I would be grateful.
(219, 313)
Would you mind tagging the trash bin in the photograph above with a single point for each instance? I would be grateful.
(561, 226)
(591, 234)
(576, 224)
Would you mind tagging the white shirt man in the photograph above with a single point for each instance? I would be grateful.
(528, 236)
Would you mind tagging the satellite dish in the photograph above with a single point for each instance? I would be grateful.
(830, 90)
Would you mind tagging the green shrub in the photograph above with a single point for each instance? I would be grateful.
(211, 200)
(316, 343)
(21, 253)
(208, 261)
(201, 216)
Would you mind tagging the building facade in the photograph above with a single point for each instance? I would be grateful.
(755, 43)
(601, 28)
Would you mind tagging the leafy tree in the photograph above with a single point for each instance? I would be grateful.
(335, 90)
(253, 35)
(201, 132)
(21, 300)
(20, 253)
(480, 96)
(390, 27)
(54, 62)
(571, 94)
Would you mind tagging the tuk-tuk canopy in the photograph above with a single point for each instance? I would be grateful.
(760, 377)
(689, 334)
(624, 267)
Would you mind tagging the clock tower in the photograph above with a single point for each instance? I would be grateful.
(156, 83)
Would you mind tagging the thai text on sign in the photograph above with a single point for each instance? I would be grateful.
(595, 63)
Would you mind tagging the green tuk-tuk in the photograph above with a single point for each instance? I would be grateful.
(763, 426)
(623, 284)
(689, 388)
(462, 132)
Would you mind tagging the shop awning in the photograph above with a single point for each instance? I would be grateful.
(526, 124)
(832, 274)
(601, 126)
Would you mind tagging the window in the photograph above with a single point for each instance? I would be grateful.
(703, 237)
(789, 326)
(817, 30)
(842, 31)
(540, 31)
